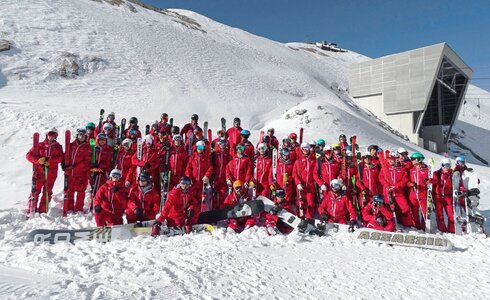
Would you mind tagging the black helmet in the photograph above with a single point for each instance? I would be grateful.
(280, 193)
(371, 147)
(145, 176)
(237, 120)
(133, 120)
(164, 116)
(175, 129)
(194, 117)
(185, 180)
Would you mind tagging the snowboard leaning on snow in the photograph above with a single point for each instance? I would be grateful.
(244, 209)
(474, 219)
(104, 234)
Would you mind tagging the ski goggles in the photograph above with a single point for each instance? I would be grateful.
(335, 186)
(200, 147)
(460, 162)
(447, 166)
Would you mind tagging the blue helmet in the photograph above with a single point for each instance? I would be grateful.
(245, 132)
(460, 158)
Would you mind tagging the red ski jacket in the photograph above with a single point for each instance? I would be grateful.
(220, 160)
(370, 180)
(304, 167)
(398, 179)
(112, 197)
(370, 213)
(338, 208)
(443, 183)
(198, 166)
(148, 200)
(330, 169)
(175, 209)
(53, 152)
(239, 169)
(80, 157)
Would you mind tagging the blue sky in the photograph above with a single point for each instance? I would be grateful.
(373, 28)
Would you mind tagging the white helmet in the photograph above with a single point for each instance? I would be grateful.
(116, 173)
(107, 126)
(327, 148)
(262, 147)
(305, 145)
(200, 145)
(127, 142)
(402, 150)
(366, 153)
(445, 161)
(148, 139)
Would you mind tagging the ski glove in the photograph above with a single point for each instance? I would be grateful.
(300, 187)
(325, 217)
(138, 212)
(251, 184)
(205, 180)
(97, 208)
(228, 182)
(352, 223)
(155, 229)
(275, 210)
(380, 221)
(127, 184)
(272, 187)
(41, 160)
(323, 188)
(190, 213)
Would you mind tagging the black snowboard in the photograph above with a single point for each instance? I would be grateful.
(233, 212)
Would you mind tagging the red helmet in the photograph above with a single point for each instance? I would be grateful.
(293, 136)
(52, 131)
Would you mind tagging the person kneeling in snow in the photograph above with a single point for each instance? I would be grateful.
(377, 215)
(110, 201)
(337, 206)
(178, 209)
(238, 197)
(144, 200)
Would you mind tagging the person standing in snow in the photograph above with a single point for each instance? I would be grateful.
(187, 133)
(263, 164)
(49, 155)
(234, 135)
(110, 201)
(284, 179)
(419, 178)
(220, 159)
(111, 133)
(163, 125)
(305, 182)
(77, 168)
(443, 196)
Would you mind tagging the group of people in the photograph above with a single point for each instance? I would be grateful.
(176, 173)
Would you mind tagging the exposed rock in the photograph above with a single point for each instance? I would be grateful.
(4, 45)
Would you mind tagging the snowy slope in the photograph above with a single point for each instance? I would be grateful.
(138, 62)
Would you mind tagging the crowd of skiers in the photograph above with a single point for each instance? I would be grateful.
(181, 172)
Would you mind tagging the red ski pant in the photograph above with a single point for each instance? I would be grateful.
(243, 222)
(263, 190)
(220, 193)
(306, 203)
(104, 218)
(41, 186)
(76, 184)
(374, 225)
(402, 209)
(419, 210)
(444, 204)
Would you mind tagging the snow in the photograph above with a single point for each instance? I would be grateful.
(144, 63)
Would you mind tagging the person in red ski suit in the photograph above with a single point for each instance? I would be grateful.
(419, 178)
(343, 141)
(394, 181)
(123, 161)
(238, 196)
(49, 154)
(272, 224)
(144, 200)
(110, 201)
(199, 169)
(329, 170)
(149, 162)
(179, 208)
(77, 168)
(163, 125)
(234, 135)
(305, 182)
(90, 129)
(248, 147)
(264, 168)
(112, 132)
(336, 206)
(274, 142)
(221, 136)
(178, 160)
(284, 180)
(377, 215)
(187, 132)
(133, 131)
(220, 159)
(368, 181)
(103, 163)
(239, 168)
(443, 196)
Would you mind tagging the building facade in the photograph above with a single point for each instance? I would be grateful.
(417, 92)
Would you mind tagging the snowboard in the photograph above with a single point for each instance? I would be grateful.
(105, 234)
(408, 239)
(244, 209)
(459, 213)
(430, 220)
(474, 218)
(312, 227)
